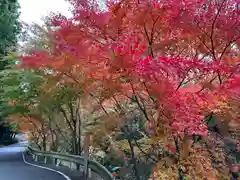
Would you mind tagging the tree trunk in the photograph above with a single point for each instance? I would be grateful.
(134, 160)
(44, 145)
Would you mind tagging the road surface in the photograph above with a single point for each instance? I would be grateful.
(13, 166)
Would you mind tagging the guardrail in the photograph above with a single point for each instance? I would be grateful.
(79, 162)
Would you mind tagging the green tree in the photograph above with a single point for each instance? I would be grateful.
(10, 27)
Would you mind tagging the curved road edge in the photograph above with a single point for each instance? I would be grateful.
(42, 167)
(22, 145)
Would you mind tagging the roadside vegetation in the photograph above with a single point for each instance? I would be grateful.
(154, 84)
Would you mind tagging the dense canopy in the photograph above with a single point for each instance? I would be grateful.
(163, 72)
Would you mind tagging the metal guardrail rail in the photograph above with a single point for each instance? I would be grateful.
(79, 161)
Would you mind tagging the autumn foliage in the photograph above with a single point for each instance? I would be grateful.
(178, 60)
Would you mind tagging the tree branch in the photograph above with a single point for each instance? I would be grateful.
(146, 154)
(212, 31)
(66, 118)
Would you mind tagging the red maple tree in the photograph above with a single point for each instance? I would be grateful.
(176, 56)
(163, 44)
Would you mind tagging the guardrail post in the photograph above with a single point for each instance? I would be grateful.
(58, 162)
(86, 155)
(45, 159)
(36, 158)
(89, 172)
(73, 165)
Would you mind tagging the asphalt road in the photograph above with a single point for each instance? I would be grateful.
(13, 167)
